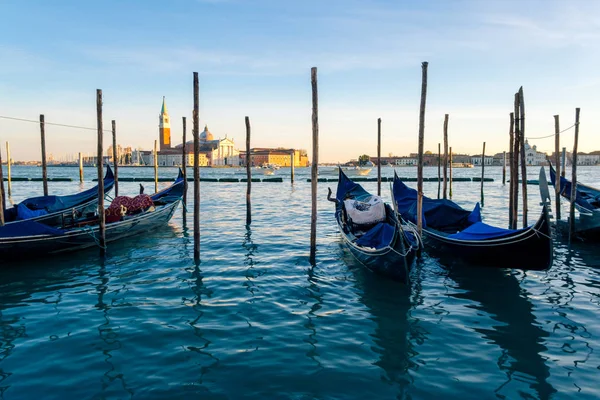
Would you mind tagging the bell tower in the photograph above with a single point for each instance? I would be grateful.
(164, 128)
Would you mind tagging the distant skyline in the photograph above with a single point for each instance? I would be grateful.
(254, 58)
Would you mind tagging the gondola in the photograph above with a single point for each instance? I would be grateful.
(33, 239)
(458, 235)
(51, 210)
(587, 202)
(382, 245)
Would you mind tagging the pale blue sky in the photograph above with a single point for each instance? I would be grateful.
(254, 59)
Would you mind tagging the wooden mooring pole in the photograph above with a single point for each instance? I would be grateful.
(564, 162)
(378, 156)
(574, 178)
(80, 168)
(450, 175)
(523, 158)
(516, 152)
(314, 165)
(511, 164)
(439, 167)
(2, 196)
(44, 165)
(184, 163)
(445, 168)
(504, 167)
(155, 166)
(293, 158)
(248, 175)
(101, 217)
(557, 165)
(196, 124)
(421, 143)
(115, 156)
(8, 162)
(482, 171)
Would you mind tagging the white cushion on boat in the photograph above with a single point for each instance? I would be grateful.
(366, 212)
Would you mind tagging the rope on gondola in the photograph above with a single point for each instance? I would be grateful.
(90, 232)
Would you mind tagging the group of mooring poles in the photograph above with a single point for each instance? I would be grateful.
(516, 157)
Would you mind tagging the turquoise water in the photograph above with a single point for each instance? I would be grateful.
(255, 320)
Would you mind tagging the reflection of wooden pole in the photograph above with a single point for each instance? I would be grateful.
(2, 197)
(511, 164)
(315, 164)
(248, 175)
(101, 218)
(450, 178)
(557, 164)
(80, 168)
(155, 166)
(482, 171)
(574, 178)
(439, 166)
(523, 159)
(44, 164)
(445, 155)
(115, 156)
(8, 162)
(421, 140)
(196, 123)
(184, 164)
(378, 156)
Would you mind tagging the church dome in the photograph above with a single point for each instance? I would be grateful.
(205, 135)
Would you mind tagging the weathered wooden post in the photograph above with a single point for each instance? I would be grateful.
(44, 165)
(248, 175)
(523, 158)
(445, 155)
(115, 156)
(574, 178)
(196, 123)
(504, 167)
(315, 164)
(564, 162)
(557, 164)
(2, 197)
(439, 167)
(184, 164)
(482, 171)
(155, 166)
(80, 168)
(450, 176)
(420, 154)
(101, 217)
(293, 158)
(511, 187)
(8, 162)
(516, 152)
(378, 156)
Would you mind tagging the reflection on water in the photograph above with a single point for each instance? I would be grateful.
(255, 320)
(498, 293)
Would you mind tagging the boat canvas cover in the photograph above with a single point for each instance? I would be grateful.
(378, 237)
(586, 197)
(28, 228)
(442, 215)
(482, 231)
(367, 212)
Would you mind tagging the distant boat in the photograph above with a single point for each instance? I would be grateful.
(462, 165)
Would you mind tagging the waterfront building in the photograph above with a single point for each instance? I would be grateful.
(280, 156)
(476, 160)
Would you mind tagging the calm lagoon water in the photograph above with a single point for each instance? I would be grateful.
(255, 320)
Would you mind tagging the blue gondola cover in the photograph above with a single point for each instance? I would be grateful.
(28, 228)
